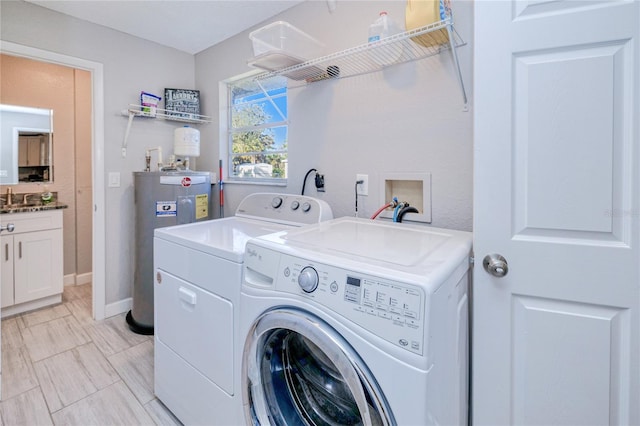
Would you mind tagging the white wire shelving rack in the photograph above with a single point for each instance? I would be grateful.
(163, 114)
(137, 111)
(407, 46)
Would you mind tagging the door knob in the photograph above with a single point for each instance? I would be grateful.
(10, 227)
(496, 265)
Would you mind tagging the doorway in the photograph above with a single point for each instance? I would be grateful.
(97, 159)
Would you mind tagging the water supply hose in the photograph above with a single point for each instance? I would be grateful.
(405, 210)
(399, 207)
(392, 203)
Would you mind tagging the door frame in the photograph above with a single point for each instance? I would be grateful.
(97, 159)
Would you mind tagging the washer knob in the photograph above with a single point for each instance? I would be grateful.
(308, 279)
(276, 202)
(295, 205)
(306, 207)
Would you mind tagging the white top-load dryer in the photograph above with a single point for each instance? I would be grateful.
(354, 321)
(198, 270)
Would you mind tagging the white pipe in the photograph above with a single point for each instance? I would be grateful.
(147, 153)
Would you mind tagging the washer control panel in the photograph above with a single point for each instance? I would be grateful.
(386, 308)
(284, 208)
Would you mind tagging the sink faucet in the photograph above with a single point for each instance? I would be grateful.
(9, 197)
(24, 198)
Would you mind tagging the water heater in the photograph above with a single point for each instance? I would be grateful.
(161, 199)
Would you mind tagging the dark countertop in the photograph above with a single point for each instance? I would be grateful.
(18, 208)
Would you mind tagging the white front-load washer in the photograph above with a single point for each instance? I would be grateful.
(198, 270)
(353, 321)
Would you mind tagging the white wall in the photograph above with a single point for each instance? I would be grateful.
(408, 118)
(130, 66)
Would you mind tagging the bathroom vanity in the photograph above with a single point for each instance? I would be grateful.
(31, 261)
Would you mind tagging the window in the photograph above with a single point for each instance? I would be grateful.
(257, 130)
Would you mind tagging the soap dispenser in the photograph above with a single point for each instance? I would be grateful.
(46, 196)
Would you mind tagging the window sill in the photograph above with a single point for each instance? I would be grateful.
(256, 182)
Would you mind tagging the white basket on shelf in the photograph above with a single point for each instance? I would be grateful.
(282, 37)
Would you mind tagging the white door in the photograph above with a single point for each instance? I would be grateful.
(557, 191)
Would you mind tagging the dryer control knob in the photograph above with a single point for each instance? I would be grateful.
(276, 202)
(308, 279)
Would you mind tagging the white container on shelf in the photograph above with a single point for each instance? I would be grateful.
(382, 27)
(186, 142)
(282, 37)
(379, 30)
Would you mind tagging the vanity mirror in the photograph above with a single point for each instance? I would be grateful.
(26, 144)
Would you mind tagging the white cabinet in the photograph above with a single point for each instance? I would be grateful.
(32, 263)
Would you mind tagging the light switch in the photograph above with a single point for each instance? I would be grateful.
(114, 179)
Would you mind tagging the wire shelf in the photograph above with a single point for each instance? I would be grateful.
(371, 57)
(136, 111)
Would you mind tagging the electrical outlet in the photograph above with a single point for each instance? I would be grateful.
(320, 182)
(363, 188)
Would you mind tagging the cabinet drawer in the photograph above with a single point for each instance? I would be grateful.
(33, 221)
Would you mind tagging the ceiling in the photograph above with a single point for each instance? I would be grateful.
(187, 25)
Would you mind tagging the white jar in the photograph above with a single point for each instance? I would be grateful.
(186, 142)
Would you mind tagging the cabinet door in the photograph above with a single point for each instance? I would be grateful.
(38, 265)
(6, 270)
(23, 151)
(44, 150)
(30, 151)
(33, 154)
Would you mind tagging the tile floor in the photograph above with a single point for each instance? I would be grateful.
(61, 367)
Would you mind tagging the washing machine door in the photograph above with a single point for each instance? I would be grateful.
(297, 370)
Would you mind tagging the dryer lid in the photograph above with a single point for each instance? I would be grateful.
(224, 238)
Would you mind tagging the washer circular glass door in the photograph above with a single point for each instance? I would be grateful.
(297, 370)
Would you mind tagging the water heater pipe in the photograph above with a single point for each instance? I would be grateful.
(147, 155)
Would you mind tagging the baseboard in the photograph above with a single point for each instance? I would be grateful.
(78, 279)
(117, 308)
(84, 278)
(69, 280)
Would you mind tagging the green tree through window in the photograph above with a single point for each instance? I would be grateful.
(258, 131)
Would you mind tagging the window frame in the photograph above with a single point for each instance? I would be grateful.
(227, 131)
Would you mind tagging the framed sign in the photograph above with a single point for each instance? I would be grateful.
(182, 103)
